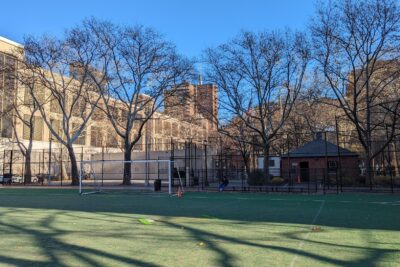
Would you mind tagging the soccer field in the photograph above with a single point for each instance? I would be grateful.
(60, 228)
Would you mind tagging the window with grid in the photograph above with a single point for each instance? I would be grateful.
(167, 128)
(96, 136)
(37, 127)
(55, 106)
(81, 140)
(111, 141)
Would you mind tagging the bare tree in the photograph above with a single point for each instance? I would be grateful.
(63, 69)
(357, 49)
(142, 66)
(260, 77)
(238, 138)
(26, 112)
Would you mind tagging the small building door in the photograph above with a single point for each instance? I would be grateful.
(304, 171)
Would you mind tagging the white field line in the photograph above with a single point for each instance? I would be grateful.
(301, 244)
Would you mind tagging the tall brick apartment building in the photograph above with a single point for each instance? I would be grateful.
(189, 102)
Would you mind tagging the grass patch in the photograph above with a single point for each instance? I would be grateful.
(60, 228)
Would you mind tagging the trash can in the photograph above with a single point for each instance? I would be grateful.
(157, 185)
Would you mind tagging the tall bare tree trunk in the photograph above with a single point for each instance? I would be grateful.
(127, 165)
(395, 162)
(369, 166)
(27, 166)
(266, 163)
(74, 165)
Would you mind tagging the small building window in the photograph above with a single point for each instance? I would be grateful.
(332, 165)
(272, 163)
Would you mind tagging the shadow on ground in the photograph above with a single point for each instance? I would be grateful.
(352, 212)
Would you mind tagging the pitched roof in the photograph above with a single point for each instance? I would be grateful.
(319, 148)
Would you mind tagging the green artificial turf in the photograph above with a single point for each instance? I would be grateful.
(60, 228)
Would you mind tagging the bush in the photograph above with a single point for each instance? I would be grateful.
(256, 178)
(348, 180)
(277, 181)
(383, 180)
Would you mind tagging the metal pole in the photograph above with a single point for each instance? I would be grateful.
(11, 164)
(23, 169)
(61, 165)
(288, 154)
(4, 163)
(205, 164)
(102, 166)
(254, 155)
(195, 161)
(339, 155)
(326, 159)
(171, 167)
(80, 177)
(50, 144)
(169, 178)
(390, 161)
(146, 147)
(43, 162)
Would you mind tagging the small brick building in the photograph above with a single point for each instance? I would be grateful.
(317, 159)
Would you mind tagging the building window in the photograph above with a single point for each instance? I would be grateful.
(37, 128)
(55, 106)
(81, 140)
(158, 126)
(167, 128)
(96, 137)
(7, 93)
(272, 163)
(111, 141)
(57, 127)
(6, 126)
(332, 165)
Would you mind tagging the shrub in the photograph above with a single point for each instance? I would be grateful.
(256, 178)
(277, 181)
(383, 180)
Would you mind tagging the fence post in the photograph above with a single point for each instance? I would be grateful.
(315, 180)
(326, 176)
(49, 168)
(339, 155)
(61, 165)
(102, 166)
(11, 163)
(23, 169)
(390, 161)
(337, 182)
(43, 162)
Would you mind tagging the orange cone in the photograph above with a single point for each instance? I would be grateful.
(179, 192)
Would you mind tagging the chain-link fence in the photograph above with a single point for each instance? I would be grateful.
(299, 162)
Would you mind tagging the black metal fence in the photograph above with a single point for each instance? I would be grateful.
(205, 166)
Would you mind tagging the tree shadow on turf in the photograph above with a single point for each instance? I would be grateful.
(52, 247)
(234, 209)
(122, 207)
(372, 255)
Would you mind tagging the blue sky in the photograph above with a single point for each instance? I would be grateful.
(191, 25)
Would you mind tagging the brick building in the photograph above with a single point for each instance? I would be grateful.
(191, 102)
(318, 158)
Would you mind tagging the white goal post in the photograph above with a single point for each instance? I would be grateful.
(98, 175)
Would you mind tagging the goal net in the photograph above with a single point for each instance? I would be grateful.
(108, 175)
